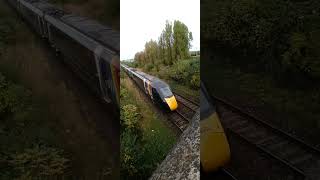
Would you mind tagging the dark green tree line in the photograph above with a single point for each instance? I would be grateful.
(278, 37)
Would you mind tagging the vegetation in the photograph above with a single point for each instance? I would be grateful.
(29, 157)
(145, 140)
(280, 38)
(169, 57)
(268, 51)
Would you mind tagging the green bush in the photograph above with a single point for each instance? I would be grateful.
(130, 155)
(130, 117)
(39, 161)
(149, 67)
(14, 100)
(186, 72)
(19, 127)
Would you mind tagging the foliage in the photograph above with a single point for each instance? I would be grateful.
(39, 161)
(181, 40)
(173, 45)
(130, 117)
(14, 100)
(163, 57)
(186, 72)
(278, 37)
(145, 141)
(18, 125)
(130, 155)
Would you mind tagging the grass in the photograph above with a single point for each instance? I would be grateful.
(184, 90)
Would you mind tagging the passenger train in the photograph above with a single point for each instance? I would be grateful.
(214, 146)
(157, 90)
(91, 49)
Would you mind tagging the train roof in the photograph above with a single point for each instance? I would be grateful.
(156, 82)
(50, 9)
(91, 28)
(101, 33)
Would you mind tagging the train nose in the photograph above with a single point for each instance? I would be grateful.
(172, 103)
(214, 151)
(214, 146)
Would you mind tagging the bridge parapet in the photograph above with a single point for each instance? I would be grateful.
(183, 161)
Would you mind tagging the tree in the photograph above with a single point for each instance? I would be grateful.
(168, 42)
(150, 51)
(181, 40)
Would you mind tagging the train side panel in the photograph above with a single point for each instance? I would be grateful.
(80, 58)
(31, 14)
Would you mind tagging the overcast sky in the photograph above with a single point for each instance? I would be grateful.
(142, 20)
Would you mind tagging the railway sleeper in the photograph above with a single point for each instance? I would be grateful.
(245, 129)
(268, 140)
(300, 159)
(238, 124)
(255, 135)
(291, 151)
(278, 145)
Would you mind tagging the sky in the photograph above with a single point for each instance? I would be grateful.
(143, 20)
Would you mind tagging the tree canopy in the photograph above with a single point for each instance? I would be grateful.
(278, 37)
(173, 44)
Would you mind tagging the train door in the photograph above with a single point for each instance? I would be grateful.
(40, 25)
(150, 90)
(155, 95)
(104, 75)
(145, 85)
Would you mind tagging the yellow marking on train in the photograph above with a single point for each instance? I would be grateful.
(214, 147)
(172, 103)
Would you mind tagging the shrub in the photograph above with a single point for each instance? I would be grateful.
(39, 161)
(14, 99)
(130, 117)
(130, 154)
(186, 72)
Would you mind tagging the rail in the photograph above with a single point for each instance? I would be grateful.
(284, 147)
(182, 116)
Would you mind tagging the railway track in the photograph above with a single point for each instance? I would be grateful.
(302, 158)
(183, 115)
(228, 174)
(221, 174)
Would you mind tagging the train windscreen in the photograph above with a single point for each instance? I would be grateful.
(166, 92)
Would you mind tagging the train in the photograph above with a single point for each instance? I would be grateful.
(91, 49)
(159, 91)
(214, 146)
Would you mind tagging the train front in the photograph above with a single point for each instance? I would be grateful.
(166, 95)
(214, 146)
